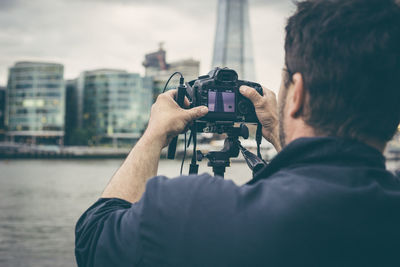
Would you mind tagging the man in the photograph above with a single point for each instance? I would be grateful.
(324, 200)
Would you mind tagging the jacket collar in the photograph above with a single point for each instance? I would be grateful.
(330, 150)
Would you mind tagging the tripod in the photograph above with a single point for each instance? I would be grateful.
(219, 160)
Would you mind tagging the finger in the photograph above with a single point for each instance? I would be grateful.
(267, 92)
(251, 94)
(187, 103)
(195, 113)
(171, 93)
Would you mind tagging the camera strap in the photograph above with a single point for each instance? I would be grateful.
(259, 139)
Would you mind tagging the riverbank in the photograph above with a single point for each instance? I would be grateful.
(25, 151)
(10, 150)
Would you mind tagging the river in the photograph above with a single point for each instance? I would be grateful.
(41, 200)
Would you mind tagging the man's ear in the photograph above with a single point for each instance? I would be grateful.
(297, 101)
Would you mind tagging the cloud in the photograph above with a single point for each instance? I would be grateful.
(93, 34)
(185, 3)
(8, 4)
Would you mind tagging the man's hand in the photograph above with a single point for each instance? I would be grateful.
(267, 113)
(167, 119)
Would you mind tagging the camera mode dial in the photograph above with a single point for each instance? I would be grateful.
(243, 107)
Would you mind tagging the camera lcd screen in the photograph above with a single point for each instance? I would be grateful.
(221, 101)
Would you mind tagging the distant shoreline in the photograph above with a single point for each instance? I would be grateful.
(25, 151)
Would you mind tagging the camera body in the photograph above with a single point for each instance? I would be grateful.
(219, 91)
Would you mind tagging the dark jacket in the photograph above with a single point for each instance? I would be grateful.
(320, 202)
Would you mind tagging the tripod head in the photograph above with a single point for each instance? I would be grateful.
(219, 160)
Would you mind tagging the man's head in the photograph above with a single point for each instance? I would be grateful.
(343, 69)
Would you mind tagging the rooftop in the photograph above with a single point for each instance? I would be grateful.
(35, 63)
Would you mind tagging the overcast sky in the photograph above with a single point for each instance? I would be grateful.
(90, 34)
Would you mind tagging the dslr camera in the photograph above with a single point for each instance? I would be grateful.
(219, 91)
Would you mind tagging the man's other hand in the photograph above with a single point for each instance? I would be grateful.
(267, 113)
(168, 119)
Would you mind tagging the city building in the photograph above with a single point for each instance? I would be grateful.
(2, 112)
(35, 103)
(159, 70)
(155, 62)
(71, 111)
(116, 105)
(75, 134)
(233, 43)
(190, 68)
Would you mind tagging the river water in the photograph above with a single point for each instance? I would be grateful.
(41, 200)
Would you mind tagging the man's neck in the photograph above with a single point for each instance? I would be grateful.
(299, 132)
(309, 132)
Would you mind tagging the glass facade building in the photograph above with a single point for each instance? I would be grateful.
(35, 102)
(116, 104)
(2, 112)
(233, 43)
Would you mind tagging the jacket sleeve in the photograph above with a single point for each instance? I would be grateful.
(171, 224)
(107, 234)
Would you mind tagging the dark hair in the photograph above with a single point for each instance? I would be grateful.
(348, 52)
